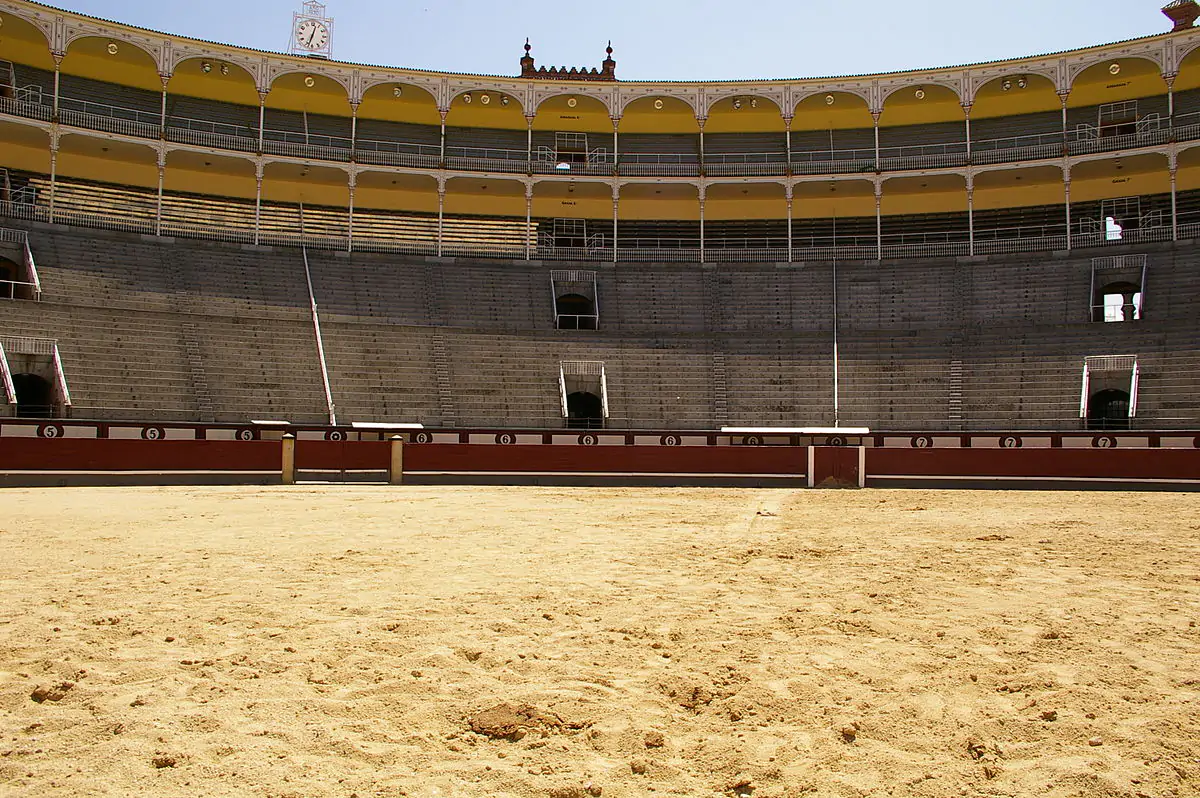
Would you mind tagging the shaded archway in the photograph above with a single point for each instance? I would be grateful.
(8, 277)
(1118, 301)
(35, 396)
(584, 411)
(575, 312)
(1108, 409)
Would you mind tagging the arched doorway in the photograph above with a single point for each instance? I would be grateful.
(1108, 409)
(8, 276)
(1119, 302)
(575, 312)
(584, 411)
(35, 396)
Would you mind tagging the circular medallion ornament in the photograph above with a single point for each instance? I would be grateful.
(245, 434)
(335, 435)
(836, 440)
(752, 440)
(1010, 442)
(153, 433)
(588, 440)
(506, 439)
(922, 442)
(572, 102)
(1104, 442)
(670, 440)
(423, 437)
(50, 431)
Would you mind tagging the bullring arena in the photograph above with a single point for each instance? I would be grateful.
(582, 345)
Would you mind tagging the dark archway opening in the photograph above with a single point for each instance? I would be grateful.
(35, 396)
(1108, 409)
(575, 312)
(584, 411)
(8, 276)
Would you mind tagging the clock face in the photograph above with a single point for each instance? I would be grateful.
(312, 34)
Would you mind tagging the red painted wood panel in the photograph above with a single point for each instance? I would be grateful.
(98, 454)
(339, 455)
(836, 463)
(610, 459)
(1102, 463)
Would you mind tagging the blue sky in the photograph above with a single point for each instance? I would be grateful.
(664, 39)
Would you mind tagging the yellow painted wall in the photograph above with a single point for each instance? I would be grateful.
(315, 102)
(104, 170)
(1029, 194)
(1123, 186)
(142, 75)
(1120, 87)
(1188, 178)
(925, 202)
(572, 208)
(746, 208)
(236, 87)
(21, 50)
(314, 193)
(197, 182)
(393, 199)
(842, 206)
(24, 157)
(659, 209)
(485, 205)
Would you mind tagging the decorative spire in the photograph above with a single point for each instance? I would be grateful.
(529, 69)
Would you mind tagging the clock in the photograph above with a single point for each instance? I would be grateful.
(312, 34)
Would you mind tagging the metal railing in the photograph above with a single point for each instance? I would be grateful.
(1151, 130)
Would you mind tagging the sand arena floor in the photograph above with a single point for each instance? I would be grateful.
(569, 643)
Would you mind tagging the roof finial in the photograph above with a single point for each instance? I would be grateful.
(527, 46)
(609, 48)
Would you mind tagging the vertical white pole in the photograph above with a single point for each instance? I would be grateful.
(162, 166)
(528, 218)
(970, 214)
(616, 196)
(788, 196)
(350, 216)
(702, 192)
(1067, 201)
(441, 212)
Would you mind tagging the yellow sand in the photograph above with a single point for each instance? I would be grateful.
(317, 641)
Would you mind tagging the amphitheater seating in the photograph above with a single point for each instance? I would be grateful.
(151, 328)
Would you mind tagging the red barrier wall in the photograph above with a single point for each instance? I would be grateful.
(614, 459)
(1098, 463)
(343, 455)
(98, 454)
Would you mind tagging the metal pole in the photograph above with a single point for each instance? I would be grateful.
(350, 217)
(789, 224)
(1067, 197)
(262, 117)
(970, 216)
(1174, 207)
(702, 224)
(441, 210)
(836, 369)
(879, 221)
(616, 203)
(528, 218)
(159, 203)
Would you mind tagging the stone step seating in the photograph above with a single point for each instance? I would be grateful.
(369, 287)
(116, 365)
(381, 373)
(262, 368)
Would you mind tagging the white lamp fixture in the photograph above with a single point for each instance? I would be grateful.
(467, 98)
(829, 99)
(397, 91)
(310, 81)
(112, 49)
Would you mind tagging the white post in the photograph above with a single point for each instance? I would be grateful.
(353, 130)
(162, 124)
(616, 194)
(396, 466)
(875, 116)
(1174, 165)
(788, 189)
(441, 210)
(528, 217)
(162, 167)
(258, 180)
(970, 214)
(967, 112)
(878, 219)
(53, 172)
(616, 120)
(350, 216)
(787, 133)
(442, 143)
(529, 146)
(58, 57)
(700, 120)
(262, 117)
(1067, 200)
(288, 465)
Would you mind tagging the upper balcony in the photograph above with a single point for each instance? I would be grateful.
(1107, 127)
